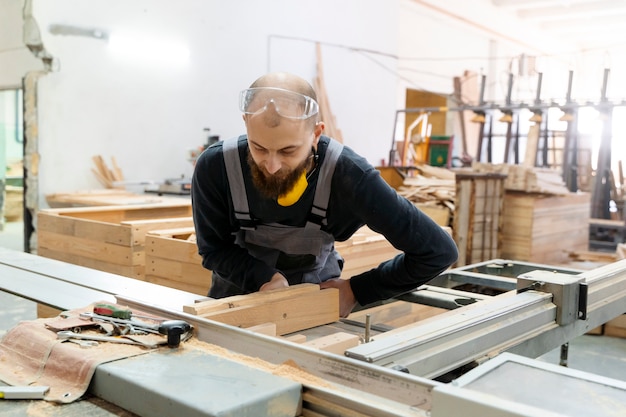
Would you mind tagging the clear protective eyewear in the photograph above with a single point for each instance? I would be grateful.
(286, 103)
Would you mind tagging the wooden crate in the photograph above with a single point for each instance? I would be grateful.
(477, 223)
(545, 228)
(107, 238)
(172, 260)
(172, 257)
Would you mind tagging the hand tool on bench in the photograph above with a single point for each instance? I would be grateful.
(175, 330)
(110, 310)
(69, 335)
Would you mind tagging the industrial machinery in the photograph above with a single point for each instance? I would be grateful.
(501, 315)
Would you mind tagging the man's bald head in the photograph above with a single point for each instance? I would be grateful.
(285, 81)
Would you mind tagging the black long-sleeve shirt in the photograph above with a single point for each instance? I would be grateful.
(359, 196)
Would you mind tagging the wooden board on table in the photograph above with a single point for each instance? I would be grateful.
(290, 313)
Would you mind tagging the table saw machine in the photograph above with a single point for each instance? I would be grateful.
(477, 356)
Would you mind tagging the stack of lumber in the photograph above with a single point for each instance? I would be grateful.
(432, 191)
(528, 179)
(545, 228)
(108, 177)
(477, 223)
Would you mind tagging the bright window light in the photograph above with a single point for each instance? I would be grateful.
(148, 50)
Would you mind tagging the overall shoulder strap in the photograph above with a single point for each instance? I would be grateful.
(232, 161)
(317, 216)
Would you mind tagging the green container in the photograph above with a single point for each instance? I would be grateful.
(438, 152)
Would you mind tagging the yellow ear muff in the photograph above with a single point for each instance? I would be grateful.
(295, 193)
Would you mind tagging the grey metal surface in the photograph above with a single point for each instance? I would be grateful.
(446, 343)
(64, 286)
(442, 297)
(524, 323)
(192, 383)
(499, 274)
(565, 290)
(528, 381)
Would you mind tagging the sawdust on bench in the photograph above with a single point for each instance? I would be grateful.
(288, 369)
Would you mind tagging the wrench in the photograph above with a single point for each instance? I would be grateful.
(83, 343)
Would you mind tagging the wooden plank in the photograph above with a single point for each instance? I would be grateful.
(396, 314)
(268, 329)
(462, 216)
(291, 314)
(103, 231)
(178, 271)
(532, 143)
(116, 214)
(209, 306)
(296, 338)
(91, 249)
(200, 290)
(166, 245)
(336, 343)
(130, 271)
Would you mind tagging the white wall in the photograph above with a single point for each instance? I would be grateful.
(147, 115)
(15, 58)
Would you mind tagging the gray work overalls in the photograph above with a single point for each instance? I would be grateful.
(302, 254)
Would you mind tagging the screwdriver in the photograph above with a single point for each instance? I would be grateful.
(117, 312)
(110, 310)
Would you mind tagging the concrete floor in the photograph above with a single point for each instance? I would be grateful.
(601, 355)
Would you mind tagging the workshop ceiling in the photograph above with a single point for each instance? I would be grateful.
(588, 24)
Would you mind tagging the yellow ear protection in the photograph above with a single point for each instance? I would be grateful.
(292, 196)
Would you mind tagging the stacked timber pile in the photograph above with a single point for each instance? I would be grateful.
(527, 179)
(543, 221)
(432, 191)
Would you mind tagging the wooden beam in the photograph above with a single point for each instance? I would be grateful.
(335, 343)
(291, 314)
(209, 306)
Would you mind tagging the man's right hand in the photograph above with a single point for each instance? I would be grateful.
(278, 281)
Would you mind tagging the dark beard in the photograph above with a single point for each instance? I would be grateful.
(273, 186)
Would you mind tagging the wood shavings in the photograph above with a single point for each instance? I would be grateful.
(288, 369)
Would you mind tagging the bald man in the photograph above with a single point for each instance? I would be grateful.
(269, 205)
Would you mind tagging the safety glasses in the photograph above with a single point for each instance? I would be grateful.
(287, 103)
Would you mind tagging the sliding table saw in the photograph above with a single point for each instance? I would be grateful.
(484, 344)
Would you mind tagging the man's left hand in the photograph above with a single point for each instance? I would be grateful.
(347, 301)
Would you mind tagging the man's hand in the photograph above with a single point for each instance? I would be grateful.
(347, 301)
(277, 281)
